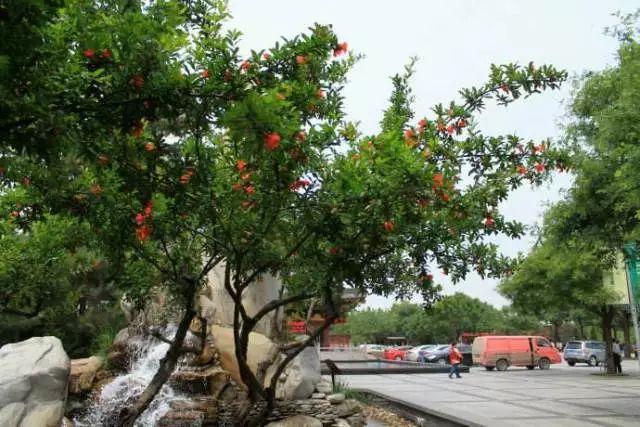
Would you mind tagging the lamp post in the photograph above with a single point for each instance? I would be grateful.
(632, 284)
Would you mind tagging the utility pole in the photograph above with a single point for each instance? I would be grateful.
(632, 284)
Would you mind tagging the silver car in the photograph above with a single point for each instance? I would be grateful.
(589, 352)
(413, 355)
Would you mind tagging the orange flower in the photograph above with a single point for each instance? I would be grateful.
(149, 147)
(438, 180)
(89, 53)
(106, 54)
(462, 123)
(103, 160)
(185, 178)
(450, 129)
(539, 167)
(521, 169)
(408, 134)
(489, 222)
(249, 189)
(143, 232)
(340, 49)
(300, 136)
(272, 141)
(301, 59)
(96, 189)
(388, 226)
(245, 65)
(422, 124)
(240, 165)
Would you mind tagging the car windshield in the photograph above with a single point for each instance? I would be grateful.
(573, 345)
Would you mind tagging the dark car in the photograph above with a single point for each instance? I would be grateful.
(440, 354)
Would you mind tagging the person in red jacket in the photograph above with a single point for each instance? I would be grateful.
(455, 358)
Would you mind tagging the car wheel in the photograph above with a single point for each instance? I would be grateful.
(571, 363)
(544, 363)
(398, 358)
(530, 367)
(593, 361)
(502, 365)
(489, 368)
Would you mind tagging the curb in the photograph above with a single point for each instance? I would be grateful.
(429, 414)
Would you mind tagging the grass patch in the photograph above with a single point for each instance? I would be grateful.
(341, 387)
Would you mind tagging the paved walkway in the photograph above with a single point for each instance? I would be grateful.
(562, 396)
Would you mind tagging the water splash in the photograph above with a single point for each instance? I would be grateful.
(126, 387)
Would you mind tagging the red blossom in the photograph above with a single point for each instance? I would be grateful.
(149, 146)
(137, 81)
(302, 59)
(143, 232)
(521, 169)
(388, 226)
(462, 123)
(185, 178)
(245, 65)
(489, 222)
(504, 87)
(299, 183)
(539, 167)
(89, 53)
(422, 124)
(137, 130)
(266, 56)
(139, 219)
(245, 176)
(249, 189)
(450, 129)
(340, 49)
(240, 165)
(272, 141)
(106, 54)
(408, 134)
(205, 74)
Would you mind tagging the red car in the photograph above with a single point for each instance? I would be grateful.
(395, 353)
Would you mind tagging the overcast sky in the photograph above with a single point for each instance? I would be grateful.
(455, 41)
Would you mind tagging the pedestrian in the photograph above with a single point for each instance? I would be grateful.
(617, 357)
(455, 358)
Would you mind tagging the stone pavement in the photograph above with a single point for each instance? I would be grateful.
(562, 396)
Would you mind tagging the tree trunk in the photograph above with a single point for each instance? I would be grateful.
(581, 329)
(607, 320)
(626, 328)
(128, 416)
(556, 334)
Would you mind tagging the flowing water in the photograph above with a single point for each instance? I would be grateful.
(126, 387)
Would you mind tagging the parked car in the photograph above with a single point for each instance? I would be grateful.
(589, 352)
(413, 353)
(500, 352)
(440, 354)
(395, 353)
(374, 350)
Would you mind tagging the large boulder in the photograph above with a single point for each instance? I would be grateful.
(301, 376)
(33, 383)
(217, 306)
(261, 355)
(83, 373)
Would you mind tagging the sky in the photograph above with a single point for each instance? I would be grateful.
(455, 41)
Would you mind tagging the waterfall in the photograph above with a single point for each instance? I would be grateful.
(126, 387)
